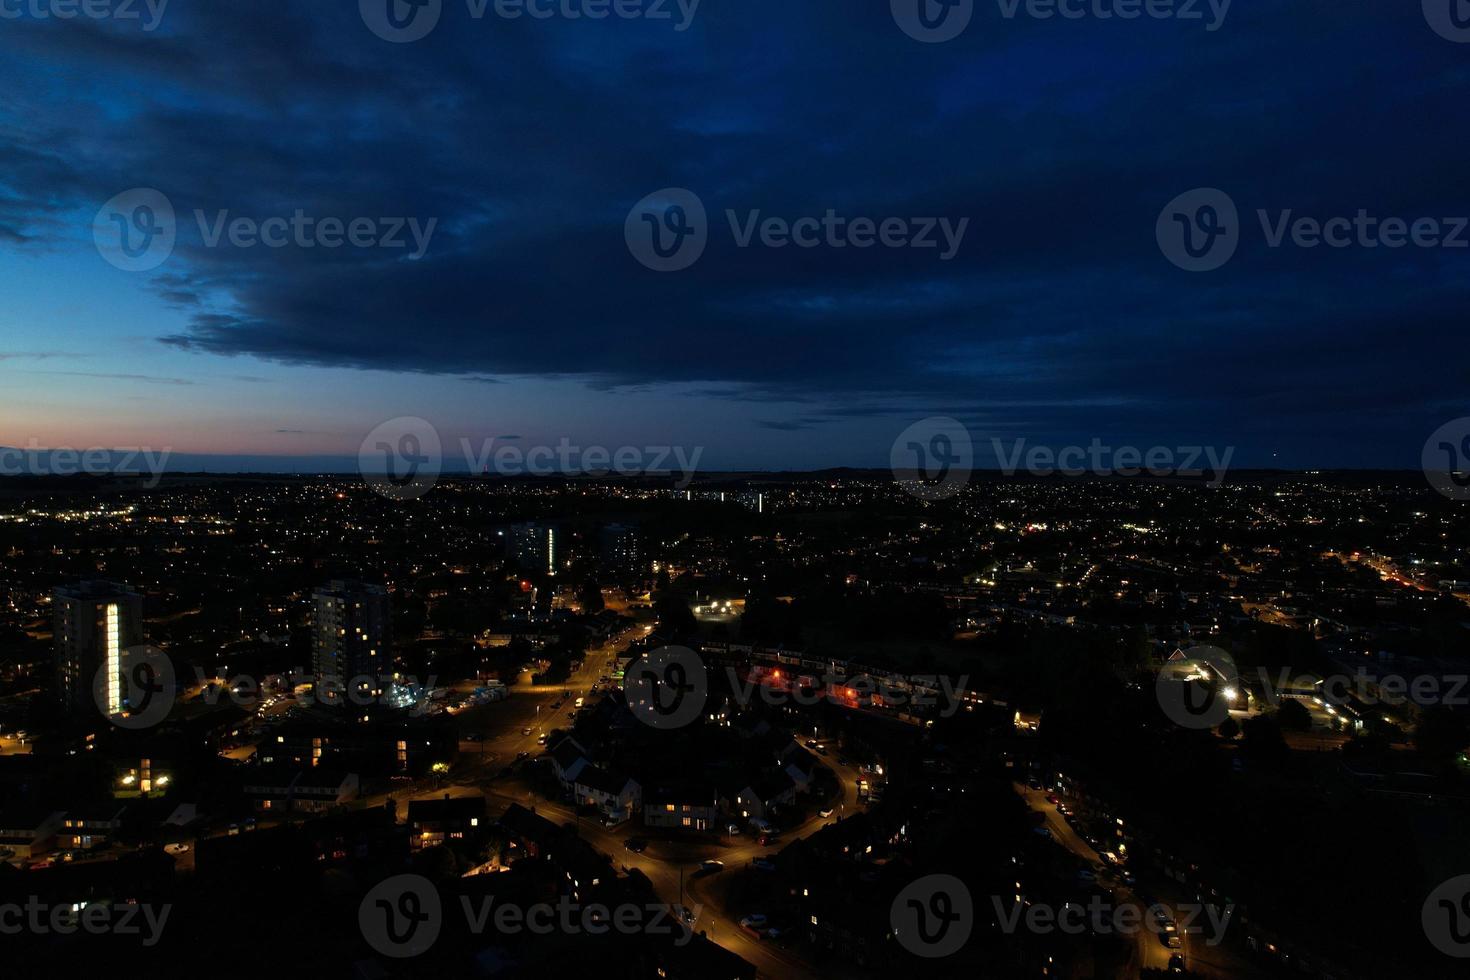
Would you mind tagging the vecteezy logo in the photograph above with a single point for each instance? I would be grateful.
(1199, 230)
(401, 458)
(667, 688)
(933, 21)
(1449, 18)
(401, 21)
(1446, 459)
(136, 230)
(933, 916)
(1446, 917)
(1195, 692)
(932, 459)
(137, 689)
(667, 230)
(402, 916)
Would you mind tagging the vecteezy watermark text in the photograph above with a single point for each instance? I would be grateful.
(937, 21)
(566, 457)
(670, 687)
(35, 460)
(1103, 918)
(668, 231)
(405, 21)
(1098, 459)
(1446, 917)
(150, 12)
(403, 916)
(1446, 459)
(137, 230)
(1200, 230)
(42, 918)
(403, 458)
(1184, 10)
(933, 916)
(917, 691)
(304, 231)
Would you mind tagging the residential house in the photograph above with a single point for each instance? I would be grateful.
(528, 831)
(801, 766)
(616, 796)
(318, 790)
(310, 789)
(86, 829)
(761, 796)
(27, 832)
(433, 822)
(568, 759)
(687, 806)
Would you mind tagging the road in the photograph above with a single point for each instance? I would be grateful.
(531, 707)
(1199, 956)
(505, 729)
(671, 866)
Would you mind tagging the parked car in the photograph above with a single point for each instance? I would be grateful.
(711, 866)
(763, 864)
(1176, 963)
(756, 920)
(525, 731)
(825, 812)
(635, 844)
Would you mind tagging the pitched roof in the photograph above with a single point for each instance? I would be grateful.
(527, 825)
(771, 784)
(804, 761)
(448, 808)
(597, 778)
(693, 793)
(567, 752)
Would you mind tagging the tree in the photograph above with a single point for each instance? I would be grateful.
(1263, 738)
(674, 615)
(591, 597)
(1293, 716)
(1442, 733)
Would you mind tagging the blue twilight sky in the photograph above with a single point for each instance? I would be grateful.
(1059, 319)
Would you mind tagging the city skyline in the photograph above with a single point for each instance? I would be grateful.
(735, 489)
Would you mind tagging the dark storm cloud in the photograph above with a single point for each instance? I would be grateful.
(529, 141)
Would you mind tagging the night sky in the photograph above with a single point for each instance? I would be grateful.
(1059, 319)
